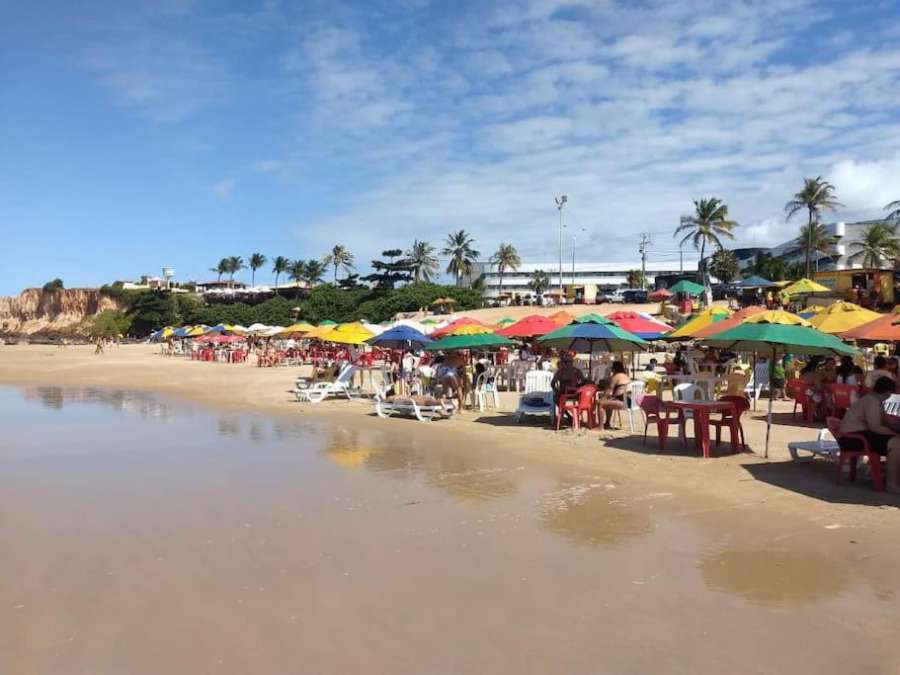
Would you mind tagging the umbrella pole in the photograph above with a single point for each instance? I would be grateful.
(769, 415)
(755, 383)
(591, 361)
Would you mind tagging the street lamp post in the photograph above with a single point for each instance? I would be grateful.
(560, 202)
(574, 240)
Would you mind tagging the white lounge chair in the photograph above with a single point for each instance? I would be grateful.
(538, 396)
(824, 445)
(423, 408)
(341, 386)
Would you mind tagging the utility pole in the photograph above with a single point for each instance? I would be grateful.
(560, 202)
(642, 248)
(681, 262)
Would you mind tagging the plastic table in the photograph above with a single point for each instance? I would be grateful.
(700, 411)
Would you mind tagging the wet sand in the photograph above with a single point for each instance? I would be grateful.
(144, 534)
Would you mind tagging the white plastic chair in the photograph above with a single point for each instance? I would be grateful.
(537, 398)
(485, 390)
(759, 381)
(633, 396)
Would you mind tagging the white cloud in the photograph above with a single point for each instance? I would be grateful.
(265, 166)
(867, 185)
(225, 187)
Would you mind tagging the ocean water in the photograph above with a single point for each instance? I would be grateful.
(142, 534)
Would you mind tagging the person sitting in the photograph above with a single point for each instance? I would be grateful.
(567, 377)
(651, 367)
(815, 391)
(865, 417)
(617, 389)
(845, 371)
(880, 370)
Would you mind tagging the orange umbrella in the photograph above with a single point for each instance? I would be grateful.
(453, 325)
(735, 319)
(562, 317)
(883, 329)
(530, 326)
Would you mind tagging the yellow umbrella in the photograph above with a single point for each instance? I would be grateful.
(300, 329)
(167, 332)
(805, 286)
(349, 334)
(196, 331)
(468, 329)
(320, 333)
(842, 316)
(698, 322)
(779, 316)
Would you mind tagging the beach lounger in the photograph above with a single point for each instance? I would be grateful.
(824, 445)
(423, 408)
(538, 396)
(341, 386)
(304, 383)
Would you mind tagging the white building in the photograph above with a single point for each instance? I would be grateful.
(601, 276)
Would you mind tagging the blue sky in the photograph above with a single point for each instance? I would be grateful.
(137, 135)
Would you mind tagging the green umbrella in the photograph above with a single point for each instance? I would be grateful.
(777, 332)
(476, 341)
(592, 318)
(328, 322)
(689, 287)
(581, 337)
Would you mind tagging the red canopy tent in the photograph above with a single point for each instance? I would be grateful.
(531, 326)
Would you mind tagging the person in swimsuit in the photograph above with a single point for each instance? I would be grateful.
(865, 417)
(615, 396)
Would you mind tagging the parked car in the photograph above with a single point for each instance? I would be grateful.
(617, 295)
(634, 296)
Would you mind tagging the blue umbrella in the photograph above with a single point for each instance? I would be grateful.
(401, 337)
(182, 332)
(755, 282)
(218, 328)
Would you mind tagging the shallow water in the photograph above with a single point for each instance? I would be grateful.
(141, 534)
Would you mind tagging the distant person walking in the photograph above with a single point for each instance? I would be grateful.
(98, 349)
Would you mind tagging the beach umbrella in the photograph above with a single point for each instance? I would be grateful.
(476, 341)
(661, 294)
(444, 301)
(469, 329)
(698, 322)
(562, 318)
(328, 322)
(729, 322)
(592, 318)
(349, 334)
(505, 321)
(181, 332)
(197, 331)
(320, 332)
(839, 317)
(634, 323)
(886, 328)
(421, 327)
(295, 330)
(777, 333)
(453, 325)
(584, 337)
(401, 337)
(755, 282)
(804, 287)
(689, 287)
(531, 326)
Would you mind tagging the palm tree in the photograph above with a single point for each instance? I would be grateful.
(257, 260)
(816, 196)
(894, 208)
(814, 238)
(878, 245)
(315, 270)
(539, 283)
(220, 269)
(708, 225)
(635, 279)
(462, 255)
(339, 257)
(280, 265)
(506, 257)
(422, 261)
(297, 271)
(235, 265)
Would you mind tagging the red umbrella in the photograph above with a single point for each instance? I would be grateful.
(639, 325)
(462, 321)
(882, 329)
(221, 338)
(661, 294)
(530, 326)
(735, 319)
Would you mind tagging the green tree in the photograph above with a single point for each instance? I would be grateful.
(279, 266)
(222, 268)
(234, 264)
(257, 260)
(422, 261)
(724, 265)
(506, 257)
(539, 283)
(54, 286)
(339, 257)
(315, 270)
(814, 238)
(708, 225)
(297, 271)
(110, 323)
(388, 273)
(816, 196)
(462, 256)
(635, 279)
(894, 212)
(878, 246)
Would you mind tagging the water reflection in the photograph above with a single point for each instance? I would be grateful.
(144, 404)
(774, 578)
(588, 514)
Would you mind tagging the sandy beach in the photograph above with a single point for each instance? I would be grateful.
(745, 549)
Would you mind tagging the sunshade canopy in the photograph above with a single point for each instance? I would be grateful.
(886, 328)
(725, 324)
(401, 337)
(531, 326)
(689, 287)
(562, 317)
(296, 330)
(755, 282)
(592, 318)
(698, 322)
(591, 336)
(328, 322)
(661, 294)
(840, 317)
(477, 341)
(804, 286)
(779, 332)
(453, 325)
(349, 334)
(639, 325)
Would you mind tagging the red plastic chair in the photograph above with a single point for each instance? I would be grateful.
(582, 400)
(852, 457)
(841, 398)
(654, 413)
(732, 421)
(797, 390)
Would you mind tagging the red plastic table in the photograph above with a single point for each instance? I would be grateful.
(700, 411)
